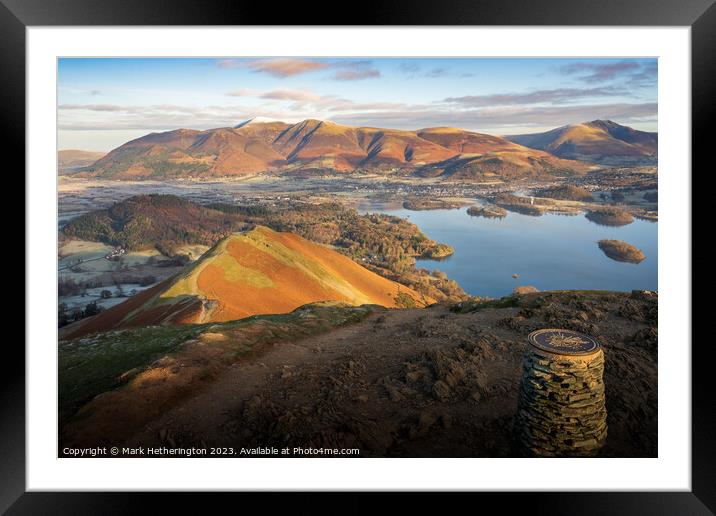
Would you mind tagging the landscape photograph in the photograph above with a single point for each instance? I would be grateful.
(364, 257)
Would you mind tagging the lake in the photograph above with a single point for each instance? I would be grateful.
(551, 252)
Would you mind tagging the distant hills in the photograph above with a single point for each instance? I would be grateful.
(68, 161)
(154, 221)
(599, 141)
(257, 272)
(165, 222)
(261, 145)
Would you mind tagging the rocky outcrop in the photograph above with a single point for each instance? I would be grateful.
(525, 289)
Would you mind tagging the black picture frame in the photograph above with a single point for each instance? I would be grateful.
(700, 15)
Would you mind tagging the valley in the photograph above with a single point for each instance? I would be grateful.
(365, 193)
(341, 286)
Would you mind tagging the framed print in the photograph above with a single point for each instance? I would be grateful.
(426, 251)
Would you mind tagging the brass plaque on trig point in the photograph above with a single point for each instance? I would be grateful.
(563, 342)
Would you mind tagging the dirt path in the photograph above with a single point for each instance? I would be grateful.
(269, 374)
(416, 382)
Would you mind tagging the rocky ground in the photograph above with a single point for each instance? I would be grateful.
(441, 381)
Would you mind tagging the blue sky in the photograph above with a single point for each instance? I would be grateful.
(104, 102)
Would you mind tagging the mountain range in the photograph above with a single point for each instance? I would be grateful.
(600, 141)
(260, 145)
(70, 160)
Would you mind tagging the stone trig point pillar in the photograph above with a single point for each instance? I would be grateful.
(561, 410)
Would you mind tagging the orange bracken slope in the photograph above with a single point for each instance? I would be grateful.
(258, 272)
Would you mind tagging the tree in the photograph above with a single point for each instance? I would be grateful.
(62, 317)
(67, 287)
(92, 309)
(182, 259)
(147, 280)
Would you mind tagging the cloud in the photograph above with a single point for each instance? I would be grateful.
(279, 67)
(91, 107)
(289, 67)
(354, 71)
(409, 68)
(437, 72)
(243, 92)
(603, 72)
(295, 105)
(412, 70)
(310, 102)
(647, 76)
(504, 119)
(300, 98)
(295, 95)
(227, 63)
(286, 67)
(160, 117)
(356, 75)
(555, 96)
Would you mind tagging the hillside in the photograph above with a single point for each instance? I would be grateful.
(166, 222)
(69, 160)
(566, 192)
(503, 165)
(385, 244)
(154, 221)
(442, 381)
(258, 272)
(315, 145)
(599, 141)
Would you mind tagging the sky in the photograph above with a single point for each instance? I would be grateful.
(105, 102)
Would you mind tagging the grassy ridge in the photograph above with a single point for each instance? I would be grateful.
(93, 365)
(385, 244)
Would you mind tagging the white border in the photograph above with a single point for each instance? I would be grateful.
(670, 471)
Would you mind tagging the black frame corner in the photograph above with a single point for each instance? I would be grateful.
(700, 15)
